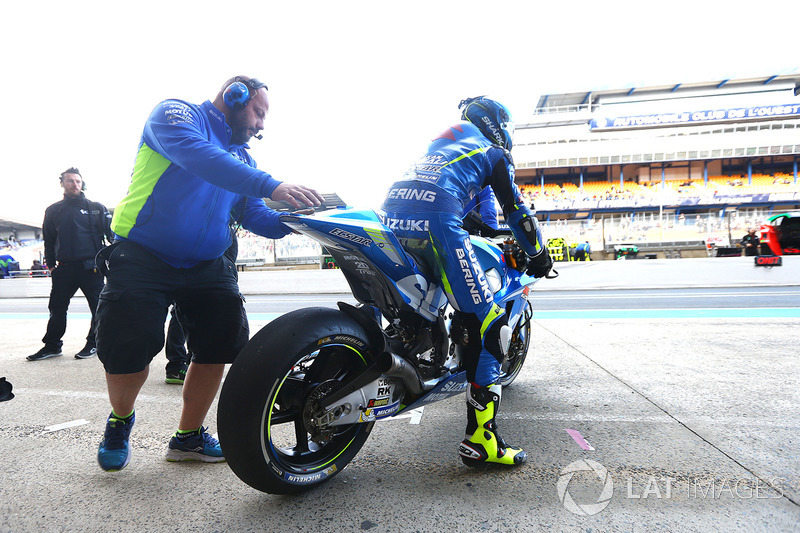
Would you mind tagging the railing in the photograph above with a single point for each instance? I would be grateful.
(14, 274)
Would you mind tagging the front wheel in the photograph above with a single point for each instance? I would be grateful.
(518, 349)
(267, 428)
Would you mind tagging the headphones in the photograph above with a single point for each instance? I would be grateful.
(239, 93)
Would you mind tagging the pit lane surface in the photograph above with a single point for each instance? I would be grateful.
(693, 422)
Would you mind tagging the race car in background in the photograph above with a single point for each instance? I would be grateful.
(780, 235)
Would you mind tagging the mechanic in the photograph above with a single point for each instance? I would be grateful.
(74, 230)
(431, 200)
(192, 178)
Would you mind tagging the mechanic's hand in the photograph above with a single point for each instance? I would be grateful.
(540, 265)
(294, 194)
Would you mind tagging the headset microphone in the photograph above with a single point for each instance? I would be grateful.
(258, 136)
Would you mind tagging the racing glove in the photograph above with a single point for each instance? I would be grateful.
(539, 265)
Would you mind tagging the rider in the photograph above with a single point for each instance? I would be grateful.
(430, 203)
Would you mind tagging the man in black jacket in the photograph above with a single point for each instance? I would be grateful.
(74, 230)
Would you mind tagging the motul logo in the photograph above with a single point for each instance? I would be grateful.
(768, 260)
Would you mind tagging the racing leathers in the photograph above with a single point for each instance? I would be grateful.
(426, 208)
(182, 144)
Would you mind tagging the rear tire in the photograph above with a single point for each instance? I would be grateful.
(264, 427)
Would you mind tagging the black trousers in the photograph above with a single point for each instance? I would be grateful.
(176, 344)
(67, 279)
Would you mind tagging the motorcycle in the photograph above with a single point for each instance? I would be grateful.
(302, 397)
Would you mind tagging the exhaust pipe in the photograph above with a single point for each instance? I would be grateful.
(397, 367)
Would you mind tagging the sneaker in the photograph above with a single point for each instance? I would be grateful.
(45, 353)
(176, 376)
(114, 453)
(199, 446)
(86, 353)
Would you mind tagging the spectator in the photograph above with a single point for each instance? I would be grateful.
(75, 229)
(38, 270)
(192, 176)
(751, 242)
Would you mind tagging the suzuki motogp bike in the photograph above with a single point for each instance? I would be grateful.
(303, 395)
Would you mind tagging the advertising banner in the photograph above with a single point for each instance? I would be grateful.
(695, 117)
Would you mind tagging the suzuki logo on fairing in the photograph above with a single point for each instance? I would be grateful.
(412, 194)
(475, 287)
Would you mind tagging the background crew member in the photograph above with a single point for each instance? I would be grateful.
(74, 230)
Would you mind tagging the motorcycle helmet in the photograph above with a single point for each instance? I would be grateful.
(491, 117)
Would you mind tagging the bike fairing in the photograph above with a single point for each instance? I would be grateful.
(344, 413)
(174, 134)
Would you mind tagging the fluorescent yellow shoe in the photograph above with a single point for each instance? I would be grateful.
(482, 443)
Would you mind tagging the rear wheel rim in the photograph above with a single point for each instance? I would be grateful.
(287, 438)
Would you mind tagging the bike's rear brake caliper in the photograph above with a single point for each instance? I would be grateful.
(316, 419)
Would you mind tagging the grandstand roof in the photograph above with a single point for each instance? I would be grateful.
(19, 224)
(592, 96)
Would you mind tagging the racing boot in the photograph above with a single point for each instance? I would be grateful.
(482, 443)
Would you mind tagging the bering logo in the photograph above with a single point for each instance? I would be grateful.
(478, 289)
(412, 194)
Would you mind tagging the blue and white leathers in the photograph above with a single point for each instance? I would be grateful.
(425, 211)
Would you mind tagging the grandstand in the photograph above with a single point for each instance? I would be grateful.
(21, 241)
(691, 158)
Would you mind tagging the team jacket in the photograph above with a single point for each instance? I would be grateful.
(73, 230)
(189, 184)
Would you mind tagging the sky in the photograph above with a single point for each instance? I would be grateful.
(357, 89)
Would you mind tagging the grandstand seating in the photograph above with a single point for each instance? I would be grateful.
(716, 185)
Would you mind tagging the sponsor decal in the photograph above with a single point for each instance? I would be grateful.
(478, 288)
(352, 237)
(238, 156)
(412, 194)
(387, 411)
(406, 224)
(454, 386)
(768, 260)
(495, 132)
(378, 403)
(177, 113)
(429, 167)
(349, 339)
(293, 478)
(467, 451)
